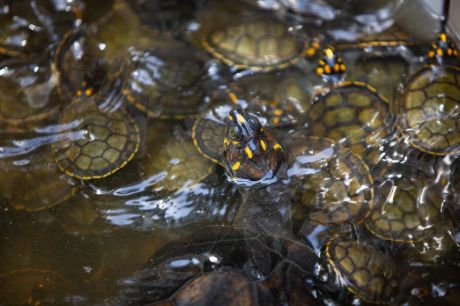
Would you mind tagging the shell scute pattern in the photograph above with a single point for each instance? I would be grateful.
(431, 107)
(350, 113)
(99, 144)
(257, 45)
(364, 270)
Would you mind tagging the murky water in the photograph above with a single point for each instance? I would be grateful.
(119, 181)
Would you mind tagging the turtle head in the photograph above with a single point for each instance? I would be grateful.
(443, 50)
(251, 153)
(331, 66)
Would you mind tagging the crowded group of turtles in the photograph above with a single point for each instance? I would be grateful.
(287, 165)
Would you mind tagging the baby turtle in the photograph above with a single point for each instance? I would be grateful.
(27, 164)
(280, 106)
(350, 112)
(407, 204)
(257, 43)
(430, 105)
(27, 91)
(167, 81)
(226, 287)
(98, 142)
(331, 183)
(363, 269)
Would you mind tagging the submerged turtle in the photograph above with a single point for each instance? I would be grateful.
(258, 43)
(98, 141)
(27, 91)
(30, 179)
(430, 105)
(407, 204)
(350, 112)
(363, 269)
(34, 287)
(166, 81)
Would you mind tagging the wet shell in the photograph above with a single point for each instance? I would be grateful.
(354, 115)
(97, 143)
(363, 269)
(332, 183)
(430, 110)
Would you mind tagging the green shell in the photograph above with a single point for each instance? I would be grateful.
(407, 204)
(332, 183)
(27, 95)
(98, 142)
(354, 115)
(167, 81)
(258, 44)
(430, 110)
(177, 162)
(16, 178)
(371, 69)
(34, 287)
(363, 269)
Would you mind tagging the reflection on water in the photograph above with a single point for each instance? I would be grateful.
(113, 188)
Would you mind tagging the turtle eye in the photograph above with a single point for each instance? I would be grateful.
(234, 132)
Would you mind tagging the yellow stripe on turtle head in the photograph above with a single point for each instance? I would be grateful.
(236, 166)
(240, 118)
(263, 145)
(276, 146)
(248, 152)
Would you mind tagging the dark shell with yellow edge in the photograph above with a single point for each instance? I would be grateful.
(259, 44)
(34, 287)
(331, 183)
(407, 203)
(430, 110)
(98, 142)
(354, 115)
(363, 269)
(167, 81)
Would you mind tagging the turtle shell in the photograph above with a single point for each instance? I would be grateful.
(332, 183)
(430, 110)
(97, 142)
(354, 115)
(363, 269)
(222, 287)
(27, 91)
(34, 287)
(166, 82)
(407, 204)
(256, 44)
(32, 182)
(370, 69)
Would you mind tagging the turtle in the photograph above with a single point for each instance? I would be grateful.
(429, 106)
(34, 287)
(407, 204)
(350, 111)
(166, 81)
(363, 269)
(86, 55)
(280, 107)
(26, 164)
(28, 93)
(97, 142)
(253, 157)
(257, 42)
